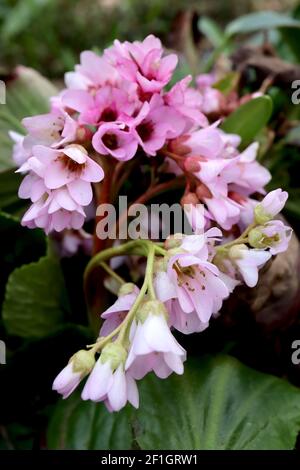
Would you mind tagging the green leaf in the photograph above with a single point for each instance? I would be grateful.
(21, 246)
(291, 38)
(20, 17)
(26, 94)
(218, 404)
(35, 299)
(84, 425)
(249, 119)
(212, 31)
(227, 83)
(260, 21)
(9, 199)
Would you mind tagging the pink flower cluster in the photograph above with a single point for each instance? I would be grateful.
(114, 105)
(223, 178)
(191, 281)
(114, 108)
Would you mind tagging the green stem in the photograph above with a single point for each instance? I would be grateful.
(122, 329)
(149, 272)
(112, 273)
(243, 238)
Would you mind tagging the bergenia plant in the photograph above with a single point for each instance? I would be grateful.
(120, 113)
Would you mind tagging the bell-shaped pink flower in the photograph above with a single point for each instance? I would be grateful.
(109, 382)
(248, 261)
(153, 347)
(92, 72)
(116, 313)
(143, 63)
(117, 140)
(271, 205)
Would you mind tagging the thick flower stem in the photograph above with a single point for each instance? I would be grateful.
(103, 196)
(152, 191)
(112, 273)
(243, 238)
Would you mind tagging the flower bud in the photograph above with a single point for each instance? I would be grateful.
(261, 216)
(178, 145)
(83, 361)
(151, 307)
(189, 198)
(115, 353)
(83, 134)
(160, 264)
(202, 192)
(192, 164)
(270, 206)
(127, 288)
(255, 238)
(236, 251)
(173, 241)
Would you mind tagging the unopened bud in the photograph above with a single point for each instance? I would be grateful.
(173, 241)
(203, 192)
(160, 264)
(189, 198)
(83, 361)
(236, 251)
(255, 238)
(127, 288)
(83, 134)
(115, 353)
(261, 216)
(192, 165)
(151, 307)
(178, 145)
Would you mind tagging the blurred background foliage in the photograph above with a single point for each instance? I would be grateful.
(49, 34)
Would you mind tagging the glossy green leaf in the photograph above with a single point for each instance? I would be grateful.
(9, 200)
(218, 404)
(249, 118)
(27, 94)
(227, 83)
(19, 246)
(84, 425)
(260, 21)
(35, 299)
(212, 31)
(21, 16)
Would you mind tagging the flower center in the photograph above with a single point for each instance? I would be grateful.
(110, 141)
(71, 165)
(145, 130)
(108, 115)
